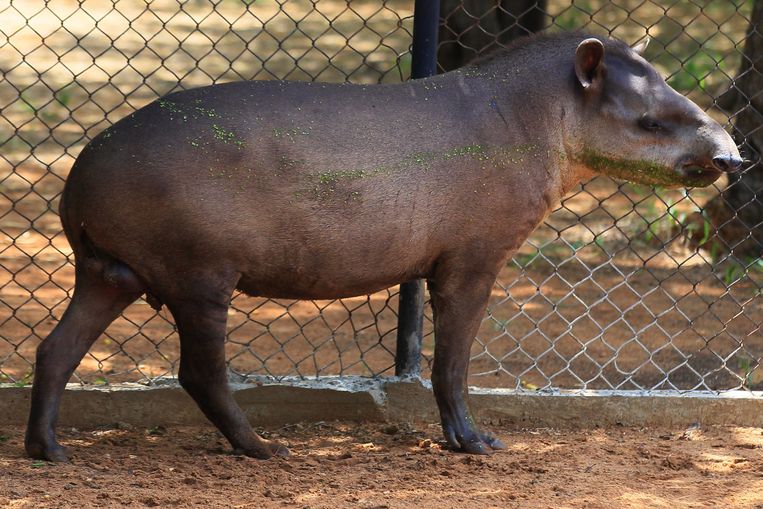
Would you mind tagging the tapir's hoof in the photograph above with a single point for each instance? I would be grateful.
(493, 442)
(279, 450)
(475, 447)
(472, 441)
(264, 451)
(55, 452)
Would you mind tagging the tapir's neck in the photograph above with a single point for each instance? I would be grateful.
(530, 102)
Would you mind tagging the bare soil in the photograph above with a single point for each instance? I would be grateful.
(348, 465)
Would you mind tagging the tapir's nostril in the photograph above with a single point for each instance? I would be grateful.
(727, 163)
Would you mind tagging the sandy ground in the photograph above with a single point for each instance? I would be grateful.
(342, 465)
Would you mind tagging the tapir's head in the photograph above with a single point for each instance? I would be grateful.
(634, 127)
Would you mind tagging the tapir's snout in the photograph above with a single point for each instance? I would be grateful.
(728, 163)
(716, 154)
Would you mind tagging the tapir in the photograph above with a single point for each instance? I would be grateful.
(296, 190)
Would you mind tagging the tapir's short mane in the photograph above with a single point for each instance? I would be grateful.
(550, 40)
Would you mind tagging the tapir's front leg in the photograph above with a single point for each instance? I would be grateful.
(460, 292)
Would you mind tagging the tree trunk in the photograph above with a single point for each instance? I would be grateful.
(470, 28)
(736, 214)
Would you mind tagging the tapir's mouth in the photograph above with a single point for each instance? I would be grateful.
(697, 175)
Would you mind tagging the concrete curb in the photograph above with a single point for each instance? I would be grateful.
(273, 403)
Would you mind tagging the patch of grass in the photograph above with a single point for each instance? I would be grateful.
(156, 431)
(553, 251)
(578, 14)
(706, 227)
(404, 66)
(733, 270)
(64, 96)
(747, 367)
(24, 380)
(499, 324)
(667, 223)
(733, 273)
(525, 259)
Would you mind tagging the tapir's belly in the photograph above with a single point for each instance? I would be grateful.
(317, 286)
(345, 261)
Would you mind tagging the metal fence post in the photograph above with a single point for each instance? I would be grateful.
(410, 321)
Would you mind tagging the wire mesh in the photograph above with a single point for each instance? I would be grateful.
(623, 287)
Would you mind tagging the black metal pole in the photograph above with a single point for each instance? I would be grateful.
(410, 318)
(426, 22)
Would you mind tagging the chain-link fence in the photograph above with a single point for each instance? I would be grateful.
(623, 287)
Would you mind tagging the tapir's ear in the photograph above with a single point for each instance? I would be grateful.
(589, 61)
(640, 47)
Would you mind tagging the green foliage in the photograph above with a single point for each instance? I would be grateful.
(665, 225)
(551, 251)
(747, 367)
(156, 431)
(575, 16)
(499, 324)
(404, 66)
(696, 69)
(24, 380)
(64, 96)
(733, 270)
(525, 259)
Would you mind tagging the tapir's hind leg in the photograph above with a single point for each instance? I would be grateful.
(93, 307)
(201, 320)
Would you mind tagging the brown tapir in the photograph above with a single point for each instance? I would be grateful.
(319, 191)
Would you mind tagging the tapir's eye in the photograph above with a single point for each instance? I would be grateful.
(650, 124)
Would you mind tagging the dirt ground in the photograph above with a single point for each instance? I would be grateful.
(348, 465)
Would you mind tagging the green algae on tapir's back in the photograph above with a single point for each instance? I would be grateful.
(326, 183)
(226, 136)
(641, 172)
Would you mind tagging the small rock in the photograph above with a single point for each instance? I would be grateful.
(676, 463)
(691, 433)
(392, 429)
(156, 431)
